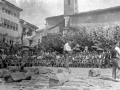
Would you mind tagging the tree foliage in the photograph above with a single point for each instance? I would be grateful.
(103, 35)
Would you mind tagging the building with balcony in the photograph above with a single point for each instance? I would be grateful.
(10, 31)
(28, 32)
(38, 36)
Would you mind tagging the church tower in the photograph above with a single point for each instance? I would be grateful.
(70, 7)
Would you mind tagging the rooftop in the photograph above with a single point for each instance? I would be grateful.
(54, 16)
(10, 4)
(29, 24)
(98, 10)
(40, 31)
(92, 11)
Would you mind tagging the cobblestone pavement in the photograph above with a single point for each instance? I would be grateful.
(78, 80)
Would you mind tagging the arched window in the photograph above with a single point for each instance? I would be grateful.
(4, 39)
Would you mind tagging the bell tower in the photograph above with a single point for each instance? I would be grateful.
(70, 7)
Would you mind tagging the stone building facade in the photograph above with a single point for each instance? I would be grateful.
(10, 31)
(72, 18)
(28, 32)
(38, 36)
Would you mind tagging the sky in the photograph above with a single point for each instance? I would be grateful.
(35, 11)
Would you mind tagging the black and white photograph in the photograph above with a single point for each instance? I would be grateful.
(59, 44)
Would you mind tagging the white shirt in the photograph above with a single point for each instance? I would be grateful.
(67, 47)
(117, 49)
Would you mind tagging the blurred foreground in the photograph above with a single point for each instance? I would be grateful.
(79, 80)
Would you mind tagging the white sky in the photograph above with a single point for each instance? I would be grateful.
(35, 11)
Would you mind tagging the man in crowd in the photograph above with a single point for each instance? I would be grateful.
(115, 52)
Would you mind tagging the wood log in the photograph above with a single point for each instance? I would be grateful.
(6, 73)
(8, 79)
(58, 79)
(28, 75)
(6, 76)
(43, 70)
(59, 70)
(17, 76)
(26, 69)
(94, 73)
(66, 70)
(13, 68)
(1, 73)
(35, 70)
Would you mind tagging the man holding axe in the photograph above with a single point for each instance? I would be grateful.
(67, 52)
(115, 55)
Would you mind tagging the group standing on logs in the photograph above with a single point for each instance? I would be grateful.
(69, 58)
(56, 59)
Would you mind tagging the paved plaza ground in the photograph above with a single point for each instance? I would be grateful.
(79, 80)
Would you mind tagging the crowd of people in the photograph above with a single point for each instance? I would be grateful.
(81, 59)
(84, 59)
(74, 59)
(55, 59)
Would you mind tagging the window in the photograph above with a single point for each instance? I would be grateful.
(3, 9)
(10, 25)
(16, 27)
(9, 12)
(10, 41)
(5, 23)
(2, 22)
(3, 39)
(6, 11)
(15, 15)
(68, 2)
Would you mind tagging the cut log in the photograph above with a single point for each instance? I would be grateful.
(6, 76)
(60, 71)
(31, 69)
(15, 77)
(43, 70)
(94, 73)
(68, 71)
(18, 76)
(35, 70)
(8, 79)
(49, 70)
(28, 75)
(6, 73)
(58, 79)
(26, 69)
(1, 73)
(13, 68)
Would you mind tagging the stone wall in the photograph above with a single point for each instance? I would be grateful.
(97, 16)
